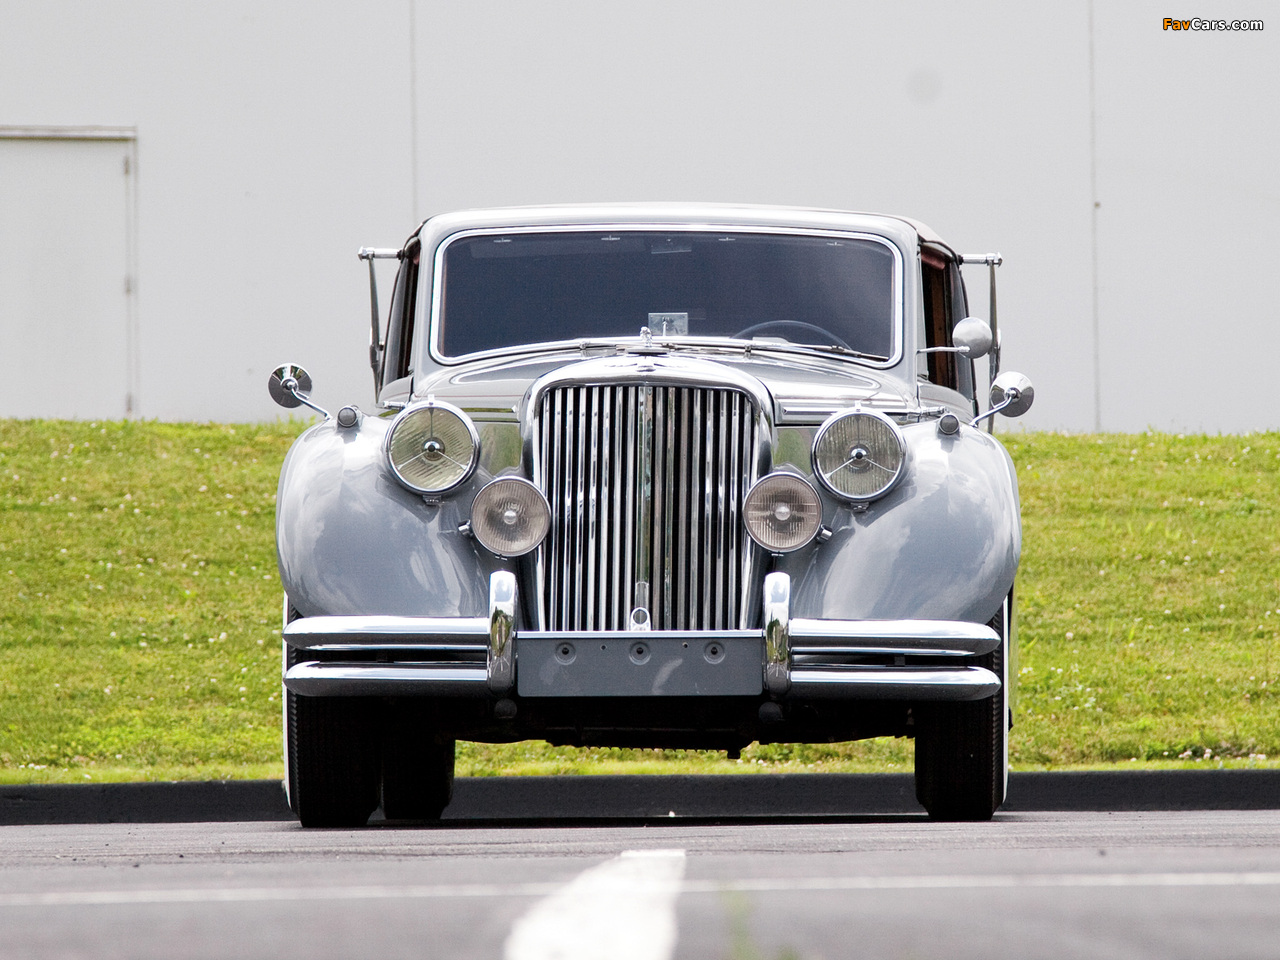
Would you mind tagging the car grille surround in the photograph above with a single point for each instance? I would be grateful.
(646, 483)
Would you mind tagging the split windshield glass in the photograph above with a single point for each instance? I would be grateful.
(511, 290)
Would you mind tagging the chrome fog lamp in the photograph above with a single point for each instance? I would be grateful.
(510, 516)
(782, 512)
(859, 455)
(432, 447)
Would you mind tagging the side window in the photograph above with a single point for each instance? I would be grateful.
(399, 336)
(939, 368)
(959, 310)
(945, 305)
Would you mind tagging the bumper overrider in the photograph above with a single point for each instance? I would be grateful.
(789, 659)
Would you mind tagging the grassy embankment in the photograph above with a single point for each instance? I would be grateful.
(139, 619)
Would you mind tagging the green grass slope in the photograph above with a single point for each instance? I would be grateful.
(140, 609)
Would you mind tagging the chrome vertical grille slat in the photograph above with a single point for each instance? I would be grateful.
(627, 495)
(722, 497)
(737, 457)
(592, 422)
(579, 496)
(600, 448)
(671, 609)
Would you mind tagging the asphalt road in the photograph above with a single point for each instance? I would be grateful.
(1097, 885)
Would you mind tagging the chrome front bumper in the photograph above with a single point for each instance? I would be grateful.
(789, 659)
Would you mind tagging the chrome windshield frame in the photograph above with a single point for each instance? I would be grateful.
(436, 356)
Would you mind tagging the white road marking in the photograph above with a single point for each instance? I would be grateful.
(763, 885)
(623, 909)
(273, 894)
(985, 881)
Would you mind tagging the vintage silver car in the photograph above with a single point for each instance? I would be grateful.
(684, 476)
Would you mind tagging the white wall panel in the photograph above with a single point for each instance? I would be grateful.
(64, 274)
(274, 140)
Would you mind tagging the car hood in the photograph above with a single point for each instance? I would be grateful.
(804, 388)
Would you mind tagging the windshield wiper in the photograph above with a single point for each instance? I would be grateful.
(779, 344)
(847, 351)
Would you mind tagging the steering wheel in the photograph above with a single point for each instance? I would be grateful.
(756, 328)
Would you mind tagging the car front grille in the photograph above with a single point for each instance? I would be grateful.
(646, 486)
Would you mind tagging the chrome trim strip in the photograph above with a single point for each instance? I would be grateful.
(665, 521)
(610, 504)
(726, 497)
(500, 670)
(313, 679)
(593, 425)
(893, 683)
(406, 648)
(442, 633)
(538, 439)
(643, 576)
(708, 421)
(837, 653)
(777, 633)
(646, 636)
(755, 460)
(626, 585)
(565, 511)
(733, 519)
(915, 637)
(684, 473)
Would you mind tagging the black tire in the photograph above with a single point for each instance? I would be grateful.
(417, 767)
(332, 758)
(962, 748)
(335, 765)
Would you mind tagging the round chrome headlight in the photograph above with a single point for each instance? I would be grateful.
(859, 455)
(432, 447)
(510, 516)
(782, 512)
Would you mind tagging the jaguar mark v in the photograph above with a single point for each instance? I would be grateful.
(654, 475)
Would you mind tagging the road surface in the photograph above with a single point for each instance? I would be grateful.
(1027, 885)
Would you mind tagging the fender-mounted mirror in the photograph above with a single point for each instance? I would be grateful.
(1012, 394)
(290, 386)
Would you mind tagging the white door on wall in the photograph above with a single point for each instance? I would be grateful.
(67, 344)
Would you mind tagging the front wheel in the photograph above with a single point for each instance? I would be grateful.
(334, 768)
(962, 749)
(417, 767)
(331, 758)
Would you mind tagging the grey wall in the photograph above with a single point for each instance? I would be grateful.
(1124, 171)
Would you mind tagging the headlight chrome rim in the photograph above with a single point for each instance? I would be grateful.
(782, 512)
(859, 455)
(425, 456)
(499, 505)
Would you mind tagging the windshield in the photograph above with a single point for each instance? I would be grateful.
(509, 290)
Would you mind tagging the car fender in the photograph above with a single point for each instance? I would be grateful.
(943, 544)
(350, 540)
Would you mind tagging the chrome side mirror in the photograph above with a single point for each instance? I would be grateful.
(974, 335)
(290, 386)
(1012, 394)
